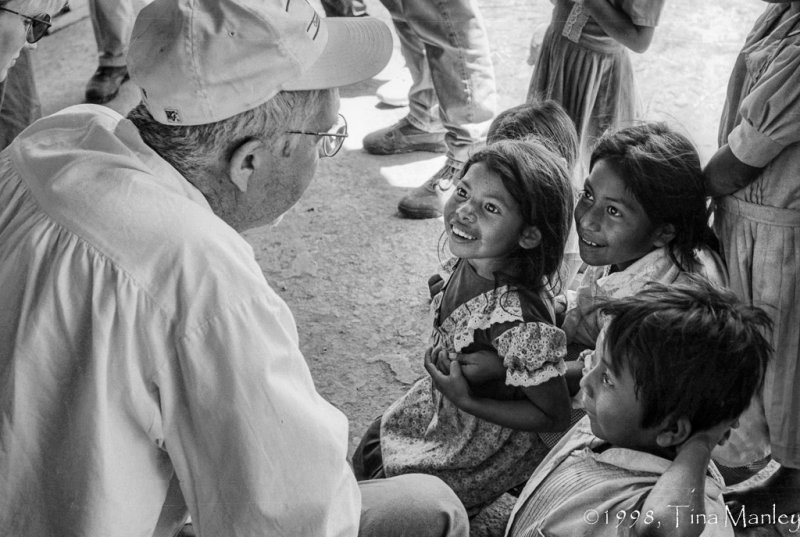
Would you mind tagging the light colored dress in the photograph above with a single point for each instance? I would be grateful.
(424, 432)
(582, 322)
(588, 72)
(759, 225)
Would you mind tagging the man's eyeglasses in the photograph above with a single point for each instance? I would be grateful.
(332, 140)
(37, 25)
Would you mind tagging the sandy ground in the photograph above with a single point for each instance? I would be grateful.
(352, 271)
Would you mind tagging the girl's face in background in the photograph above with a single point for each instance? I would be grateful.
(613, 228)
(483, 222)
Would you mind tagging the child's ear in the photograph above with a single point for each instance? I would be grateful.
(663, 235)
(674, 432)
(530, 237)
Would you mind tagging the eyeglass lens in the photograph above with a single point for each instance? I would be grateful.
(37, 27)
(332, 144)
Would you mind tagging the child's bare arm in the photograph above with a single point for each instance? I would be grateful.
(618, 25)
(546, 409)
(725, 174)
(679, 495)
(482, 366)
(481, 369)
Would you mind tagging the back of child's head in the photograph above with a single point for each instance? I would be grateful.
(661, 168)
(546, 119)
(693, 350)
(537, 178)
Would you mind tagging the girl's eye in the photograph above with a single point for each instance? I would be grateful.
(492, 208)
(461, 192)
(612, 211)
(585, 194)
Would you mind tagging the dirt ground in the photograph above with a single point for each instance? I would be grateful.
(352, 271)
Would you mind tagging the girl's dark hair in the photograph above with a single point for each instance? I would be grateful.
(546, 119)
(537, 178)
(661, 168)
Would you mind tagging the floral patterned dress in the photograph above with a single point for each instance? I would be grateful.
(424, 432)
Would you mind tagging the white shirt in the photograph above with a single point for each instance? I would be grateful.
(141, 346)
(583, 322)
(589, 496)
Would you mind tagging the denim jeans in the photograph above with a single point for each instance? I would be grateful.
(446, 48)
(20, 106)
(112, 21)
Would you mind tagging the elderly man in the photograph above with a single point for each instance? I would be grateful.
(148, 370)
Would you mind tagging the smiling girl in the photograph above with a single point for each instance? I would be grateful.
(506, 224)
(641, 217)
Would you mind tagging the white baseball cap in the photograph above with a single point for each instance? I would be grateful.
(202, 61)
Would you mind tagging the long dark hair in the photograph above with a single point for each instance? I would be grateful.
(546, 119)
(661, 168)
(537, 178)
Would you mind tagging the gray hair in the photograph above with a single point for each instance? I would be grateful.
(41, 6)
(194, 150)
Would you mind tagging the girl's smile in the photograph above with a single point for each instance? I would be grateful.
(612, 225)
(483, 221)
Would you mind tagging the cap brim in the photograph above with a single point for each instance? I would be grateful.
(357, 49)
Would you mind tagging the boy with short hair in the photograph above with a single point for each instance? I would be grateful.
(673, 370)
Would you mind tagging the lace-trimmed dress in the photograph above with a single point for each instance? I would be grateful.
(424, 432)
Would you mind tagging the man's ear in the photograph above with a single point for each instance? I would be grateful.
(243, 162)
(664, 234)
(530, 237)
(673, 432)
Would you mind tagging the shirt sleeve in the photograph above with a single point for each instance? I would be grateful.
(257, 450)
(643, 12)
(770, 111)
(532, 353)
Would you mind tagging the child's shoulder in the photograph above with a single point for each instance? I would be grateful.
(536, 306)
(447, 267)
(710, 265)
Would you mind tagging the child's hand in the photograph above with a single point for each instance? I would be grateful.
(710, 438)
(440, 358)
(453, 385)
(481, 367)
(560, 305)
(534, 48)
